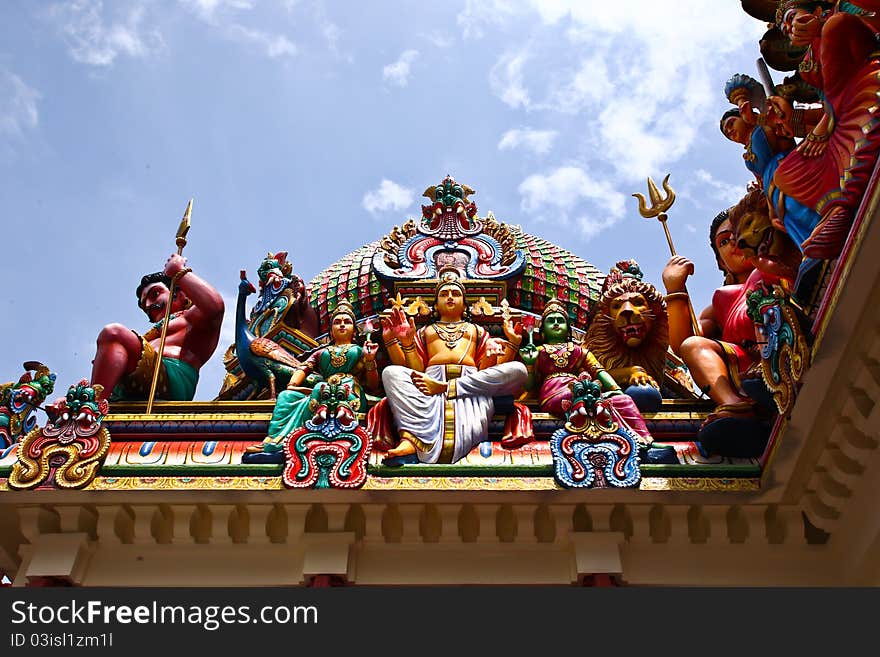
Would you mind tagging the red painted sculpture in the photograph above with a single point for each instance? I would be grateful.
(125, 360)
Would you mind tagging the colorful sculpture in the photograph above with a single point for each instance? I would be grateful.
(332, 449)
(629, 333)
(67, 452)
(727, 350)
(444, 376)
(19, 400)
(125, 361)
(282, 296)
(449, 234)
(342, 362)
(262, 359)
(830, 169)
(765, 150)
(596, 448)
(785, 354)
(769, 249)
(554, 366)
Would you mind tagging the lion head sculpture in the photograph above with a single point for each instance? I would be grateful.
(629, 333)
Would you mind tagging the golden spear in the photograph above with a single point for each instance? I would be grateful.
(659, 206)
(182, 230)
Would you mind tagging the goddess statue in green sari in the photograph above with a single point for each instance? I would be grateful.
(342, 361)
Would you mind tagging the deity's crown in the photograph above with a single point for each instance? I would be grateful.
(449, 275)
(344, 308)
(554, 306)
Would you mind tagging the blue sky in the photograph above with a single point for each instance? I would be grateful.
(313, 127)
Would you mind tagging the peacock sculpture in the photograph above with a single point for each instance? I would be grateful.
(264, 361)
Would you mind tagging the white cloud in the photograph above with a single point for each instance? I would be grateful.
(207, 10)
(479, 13)
(642, 89)
(274, 45)
(18, 105)
(537, 141)
(565, 191)
(398, 72)
(388, 196)
(718, 189)
(97, 37)
(506, 79)
(438, 40)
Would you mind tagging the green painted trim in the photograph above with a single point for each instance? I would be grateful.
(726, 471)
(5, 470)
(228, 470)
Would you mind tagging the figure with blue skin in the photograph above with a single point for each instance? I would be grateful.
(765, 150)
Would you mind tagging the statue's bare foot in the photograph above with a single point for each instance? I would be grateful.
(405, 448)
(254, 449)
(427, 385)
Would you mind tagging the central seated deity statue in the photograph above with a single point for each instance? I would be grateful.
(444, 376)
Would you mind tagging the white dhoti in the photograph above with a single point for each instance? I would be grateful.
(446, 427)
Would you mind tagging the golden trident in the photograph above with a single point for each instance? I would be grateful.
(658, 208)
(182, 230)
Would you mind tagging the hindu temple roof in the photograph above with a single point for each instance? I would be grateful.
(550, 272)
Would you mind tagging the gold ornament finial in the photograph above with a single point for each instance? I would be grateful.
(659, 204)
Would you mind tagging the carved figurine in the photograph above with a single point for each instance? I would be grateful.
(765, 150)
(125, 360)
(282, 297)
(771, 250)
(342, 362)
(331, 449)
(831, 167)
(785, 354)
(68, 451)
(263, 360)
(555, 365)
(444, 376)
(596, 448)
(19, 400)
(726, 352)
(629, 334)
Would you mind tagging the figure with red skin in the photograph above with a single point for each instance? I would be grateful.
(125, 360)
(830, 169)
(727, 349)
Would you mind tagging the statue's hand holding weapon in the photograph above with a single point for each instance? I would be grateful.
(683, 268)
(676, 273)
(175, 264)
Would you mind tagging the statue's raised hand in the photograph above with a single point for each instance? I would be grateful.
(676, 273)
(529, 354)
(398, 327)
(513, 332)
(370, 350)
(174, 264)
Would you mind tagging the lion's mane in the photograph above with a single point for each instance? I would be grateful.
(606, 344)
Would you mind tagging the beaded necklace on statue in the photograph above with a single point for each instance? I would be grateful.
(559, 353)
(450, 332)
(156, 329)
(338, 354)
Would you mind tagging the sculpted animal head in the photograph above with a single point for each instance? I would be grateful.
(750, 220)
(274, 270)
(630, 326)
(586, 403)
(334, 399)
